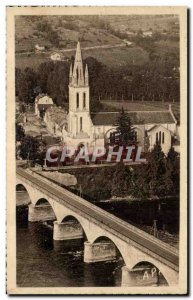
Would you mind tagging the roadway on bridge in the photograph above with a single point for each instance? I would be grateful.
(106, 219)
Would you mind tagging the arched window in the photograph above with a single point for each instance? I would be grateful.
(163, 137)
(84, 100)
(77, 100)
(80, 123)
(160, 137)
(135, 136)
(77, 75)
(156, 137)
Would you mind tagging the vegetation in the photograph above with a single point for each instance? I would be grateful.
(49, 34)
(30, 148)
(125, 133)
(156, 81)
(158, 178)
(20, 134)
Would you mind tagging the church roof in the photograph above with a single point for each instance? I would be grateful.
(137, 118)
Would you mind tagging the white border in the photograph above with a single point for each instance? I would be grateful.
(3, 3)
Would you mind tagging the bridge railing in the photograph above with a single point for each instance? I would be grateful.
(104, 213)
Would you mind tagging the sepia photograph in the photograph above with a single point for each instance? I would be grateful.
(97, 150)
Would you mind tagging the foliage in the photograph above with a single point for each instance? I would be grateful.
(121, 181)
(158, 178)
(51, 35)
(173, 171)
(140, 186)
(19, 133)
(125, 131)
(157, 80)
(26, 82)
(30, 148)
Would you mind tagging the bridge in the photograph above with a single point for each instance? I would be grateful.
(105, 235)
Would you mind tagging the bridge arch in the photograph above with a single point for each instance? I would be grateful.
(47, 203)
(21, 188)
(119, 247)
(78, 221)
(151, 271)
(105, 238)
(167, 274)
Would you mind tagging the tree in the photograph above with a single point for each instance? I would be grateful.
(30, 148)
(19, 133)
(125, 131)
(121, 181)
(26, 84)
(172, 176)
(140, 182)
(156, 168)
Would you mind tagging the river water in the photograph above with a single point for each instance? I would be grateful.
(41, 262)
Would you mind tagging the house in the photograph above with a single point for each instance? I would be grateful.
(55, 119)
(42, 103)
(147, 33)
(39, 48)
(56, 57)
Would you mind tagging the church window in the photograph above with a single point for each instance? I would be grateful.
(77, 100)
(77, 75)
(135, 136)
(163, 137)
(160, 137)
(156, 137)
(80, 123)
(84, 100)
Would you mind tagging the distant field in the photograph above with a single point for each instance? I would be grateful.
(110, 57)
(144, 22)
(31, 61)
(27, 34)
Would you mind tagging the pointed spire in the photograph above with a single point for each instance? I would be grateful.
(70, 74)
(86, 75)
(78, 76)
(78, 57)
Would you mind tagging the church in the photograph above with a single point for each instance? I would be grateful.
(85, 128)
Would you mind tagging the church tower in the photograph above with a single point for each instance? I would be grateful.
(79, 122)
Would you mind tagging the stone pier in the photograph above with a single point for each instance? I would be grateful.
(67, 231)
(139, 277)
(40, 213)
(96, 252)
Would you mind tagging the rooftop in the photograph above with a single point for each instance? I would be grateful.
(137, 118)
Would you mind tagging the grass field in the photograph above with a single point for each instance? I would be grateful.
(143, 22)
(111, 57)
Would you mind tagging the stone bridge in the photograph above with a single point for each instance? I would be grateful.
(105, 235)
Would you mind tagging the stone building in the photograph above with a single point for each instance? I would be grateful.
(42, 103)
(55, 119)
(86, 128)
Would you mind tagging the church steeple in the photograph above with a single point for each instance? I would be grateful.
(79, 98)
(86, 75)
(78, 78)
(70, 75)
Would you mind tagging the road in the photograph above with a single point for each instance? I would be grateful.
(123, 229)
(74, 49)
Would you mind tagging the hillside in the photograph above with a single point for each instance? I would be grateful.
(68, 29)
(61, 33)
